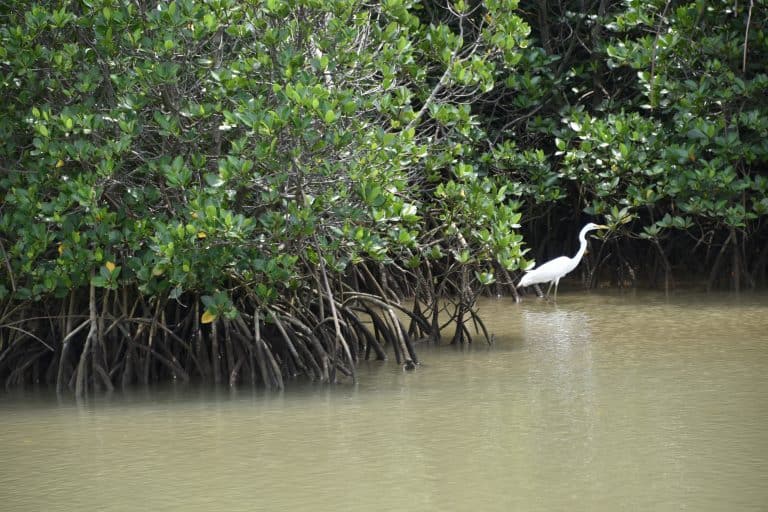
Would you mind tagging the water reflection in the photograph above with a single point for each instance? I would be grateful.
(602, 402)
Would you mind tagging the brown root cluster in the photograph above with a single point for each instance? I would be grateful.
(100, 339)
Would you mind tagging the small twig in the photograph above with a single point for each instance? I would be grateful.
(746, 38)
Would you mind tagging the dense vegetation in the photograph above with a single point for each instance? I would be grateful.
(653, 115)
(244, 191)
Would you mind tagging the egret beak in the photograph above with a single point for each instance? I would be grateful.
(600, 226)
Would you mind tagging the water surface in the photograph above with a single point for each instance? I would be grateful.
(606, 401)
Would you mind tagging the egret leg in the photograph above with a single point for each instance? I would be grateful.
(550, 289)
(557, 282)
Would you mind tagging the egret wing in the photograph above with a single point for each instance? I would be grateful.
(547, 272)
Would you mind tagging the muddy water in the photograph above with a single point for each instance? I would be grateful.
(604, 402)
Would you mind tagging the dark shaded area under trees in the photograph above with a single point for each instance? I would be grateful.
(246, 192)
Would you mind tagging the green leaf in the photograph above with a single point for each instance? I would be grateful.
(486, 278)
(99, 281)
(213, 180)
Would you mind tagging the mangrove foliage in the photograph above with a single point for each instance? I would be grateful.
(251, 191)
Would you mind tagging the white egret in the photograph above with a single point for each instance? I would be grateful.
(551, 271)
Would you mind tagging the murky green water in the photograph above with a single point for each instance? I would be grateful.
(604, 402)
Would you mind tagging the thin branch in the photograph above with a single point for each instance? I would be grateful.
(746, 38)
(30, 335)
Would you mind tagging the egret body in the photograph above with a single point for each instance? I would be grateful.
(551, 271)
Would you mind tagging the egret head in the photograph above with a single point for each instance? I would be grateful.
(592, 226)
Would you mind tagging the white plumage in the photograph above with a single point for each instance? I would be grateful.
(551, 271)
